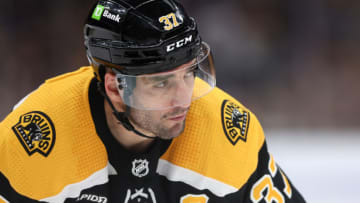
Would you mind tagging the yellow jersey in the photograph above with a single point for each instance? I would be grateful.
(55, 146)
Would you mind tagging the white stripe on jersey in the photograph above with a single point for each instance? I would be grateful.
(73, 190)
(3, 199)
(177, 173)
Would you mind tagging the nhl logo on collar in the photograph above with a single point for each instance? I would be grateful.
(140, 167)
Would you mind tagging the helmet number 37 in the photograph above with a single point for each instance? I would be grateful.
(170, 21)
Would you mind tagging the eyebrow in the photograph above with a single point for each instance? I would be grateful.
(162, 78)
(159, 78)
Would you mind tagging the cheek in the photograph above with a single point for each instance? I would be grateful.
(151, 117)
(156, 116)
(142, 99)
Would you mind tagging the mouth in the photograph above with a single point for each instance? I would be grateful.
(180, 117)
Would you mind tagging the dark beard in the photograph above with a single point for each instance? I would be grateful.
(166, 134)
(144, 120)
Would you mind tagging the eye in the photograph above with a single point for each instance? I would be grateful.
(161, 84)
(191, 73)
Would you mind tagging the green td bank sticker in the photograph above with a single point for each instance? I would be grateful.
(97, 12)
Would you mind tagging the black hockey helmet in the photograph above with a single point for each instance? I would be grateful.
(140, 36)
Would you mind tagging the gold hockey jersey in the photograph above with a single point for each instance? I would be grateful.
(56, 147)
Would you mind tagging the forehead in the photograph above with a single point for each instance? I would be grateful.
(167, 75)
(184, 66)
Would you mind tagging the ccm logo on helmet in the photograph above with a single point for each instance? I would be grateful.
(178, 44)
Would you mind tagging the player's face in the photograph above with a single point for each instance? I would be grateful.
(172, 90)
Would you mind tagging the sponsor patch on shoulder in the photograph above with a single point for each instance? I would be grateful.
(36, 133)
(235, 121)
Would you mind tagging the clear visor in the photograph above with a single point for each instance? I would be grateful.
(176, 88)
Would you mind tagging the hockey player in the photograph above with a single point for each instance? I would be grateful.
(149, 127)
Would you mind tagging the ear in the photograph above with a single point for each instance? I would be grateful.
(111, 89)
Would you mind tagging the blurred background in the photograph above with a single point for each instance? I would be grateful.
(295, 64)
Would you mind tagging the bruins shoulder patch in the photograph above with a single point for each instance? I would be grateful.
(235, 121)
(35, 132)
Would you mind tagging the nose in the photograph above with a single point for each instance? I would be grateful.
(182, 95)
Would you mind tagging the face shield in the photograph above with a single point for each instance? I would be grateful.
(166, 90)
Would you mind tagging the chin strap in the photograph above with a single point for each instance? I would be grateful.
(120, 116)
